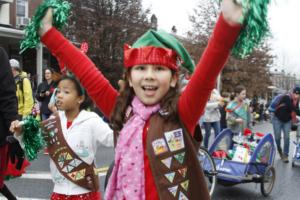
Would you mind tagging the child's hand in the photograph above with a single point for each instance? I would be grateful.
(239, 120)
(232, 12)
(16, 127)
(46, 22)
(221, 103)
(47, 93)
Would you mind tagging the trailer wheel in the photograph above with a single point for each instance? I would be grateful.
(209, 169)
(268, 180)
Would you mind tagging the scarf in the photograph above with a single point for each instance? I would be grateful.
(127, 180)
(240, 109)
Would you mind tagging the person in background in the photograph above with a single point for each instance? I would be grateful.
(24, 90)
(212, 116)
(51, 105)
(282, 119)
(238, 112)
(8, 113)
(44, 93)
(225, 99)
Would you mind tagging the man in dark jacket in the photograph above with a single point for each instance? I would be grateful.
(284, 115)
(8, 113)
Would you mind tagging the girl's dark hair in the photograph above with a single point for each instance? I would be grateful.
(80, 91)
(168, 104)
(238, 89)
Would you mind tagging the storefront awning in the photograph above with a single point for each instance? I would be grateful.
(11, 33)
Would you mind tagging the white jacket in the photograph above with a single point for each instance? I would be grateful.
(86, 133)
(212, 112)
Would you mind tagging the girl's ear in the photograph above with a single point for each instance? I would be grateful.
(81, 99)
(174, 80)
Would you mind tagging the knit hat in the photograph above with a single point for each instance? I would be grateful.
(296, 90)
(158, 48)
(14, 63)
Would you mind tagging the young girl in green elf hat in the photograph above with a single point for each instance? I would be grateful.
(155, 156)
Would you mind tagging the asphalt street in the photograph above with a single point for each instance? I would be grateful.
(36, 184)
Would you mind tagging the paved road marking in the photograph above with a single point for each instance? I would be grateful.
(46, 175)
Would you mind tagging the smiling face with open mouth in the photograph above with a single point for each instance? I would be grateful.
(151, 82)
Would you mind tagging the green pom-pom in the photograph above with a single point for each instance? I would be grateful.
(61, 10)
(32, 137)
(255, 29)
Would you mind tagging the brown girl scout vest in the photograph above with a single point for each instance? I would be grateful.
(173, 159)
(69, 164)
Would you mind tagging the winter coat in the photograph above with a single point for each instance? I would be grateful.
(42, 88)
(8, 99)
(24, 94)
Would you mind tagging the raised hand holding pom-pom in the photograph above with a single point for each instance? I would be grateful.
(232, 12)
(46, 22)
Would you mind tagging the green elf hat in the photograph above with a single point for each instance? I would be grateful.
(158, 48)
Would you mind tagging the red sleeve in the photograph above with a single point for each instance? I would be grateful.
(97, 86)
(192, 101)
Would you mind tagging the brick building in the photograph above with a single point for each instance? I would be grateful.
(14, 16)
(282, 81)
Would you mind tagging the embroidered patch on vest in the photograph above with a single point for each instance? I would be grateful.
(167, 162)
(175, 139)
(51, 133)
(173, 190)
(185, 185)
(75, 162)
(180, 157)
(68, 169)
(170, 176)
(77, 175)
(64, 157)
(182, 171)
(182, 196)
(159, 146)
(53, 138)
(61, 164)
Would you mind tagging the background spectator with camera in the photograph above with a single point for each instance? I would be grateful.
(44, 93)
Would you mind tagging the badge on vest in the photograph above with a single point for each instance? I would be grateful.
(167, 162)
(180, 157)
(170, 176)
(182, 171)
(159, 146)
(175, 139)
(185, 185)
(182, 196)
(173, 190)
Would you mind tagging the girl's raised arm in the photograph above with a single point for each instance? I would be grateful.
(192, 101)
(97, 86)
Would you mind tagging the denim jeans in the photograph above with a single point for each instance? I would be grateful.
(286, 128)
(207, 127)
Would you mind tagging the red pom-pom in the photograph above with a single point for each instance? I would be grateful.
(247, 132)
(13, 171)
